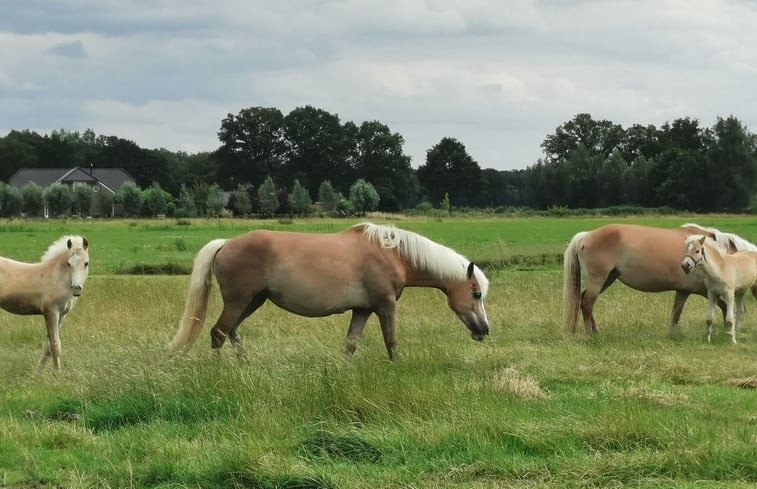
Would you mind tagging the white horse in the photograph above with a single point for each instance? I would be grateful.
(727, 277)
(50, 287)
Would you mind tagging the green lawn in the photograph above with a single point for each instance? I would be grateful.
(532, 406)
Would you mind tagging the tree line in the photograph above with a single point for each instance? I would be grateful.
(586, 163)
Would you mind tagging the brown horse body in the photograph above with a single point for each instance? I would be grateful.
(49, 288)
(644, 258)
(727, 277)
(363, 269)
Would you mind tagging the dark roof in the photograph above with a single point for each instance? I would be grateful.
(111, 178)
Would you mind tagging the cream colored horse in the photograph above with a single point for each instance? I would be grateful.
(727, 277)
(49, 288)
(363, 269)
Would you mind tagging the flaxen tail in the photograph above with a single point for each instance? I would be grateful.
(571, 290)
(197, 297)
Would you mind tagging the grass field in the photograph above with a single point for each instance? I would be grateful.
(532, 406)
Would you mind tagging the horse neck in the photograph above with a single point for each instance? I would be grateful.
(422, 278)
(714, 263)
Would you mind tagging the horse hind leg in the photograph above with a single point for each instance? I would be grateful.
(231, 317)
(675, 315)
(594, 287)
(355, 331)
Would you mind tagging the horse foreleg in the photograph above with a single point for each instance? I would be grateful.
(45, 353)
(355, 331)
(675, 315)
(730, 318)
(386, 320)
(712, 300)
(52, 344)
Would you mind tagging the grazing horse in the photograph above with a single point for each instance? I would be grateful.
(644, 258)
(727, 277)
(49, 288)
(363, 269)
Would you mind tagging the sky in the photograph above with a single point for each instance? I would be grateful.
(497, 75)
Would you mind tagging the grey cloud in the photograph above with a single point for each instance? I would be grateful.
(73, 49)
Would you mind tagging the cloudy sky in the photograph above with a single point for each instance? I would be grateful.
(498, 75)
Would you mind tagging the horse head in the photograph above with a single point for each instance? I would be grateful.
(695, 252)
(466, 299)
(77, 263)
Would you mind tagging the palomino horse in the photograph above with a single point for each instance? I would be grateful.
(727, 277)
(49, 288)
(645, 258)
(363, 268)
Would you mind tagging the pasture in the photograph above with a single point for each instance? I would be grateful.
(531, 406)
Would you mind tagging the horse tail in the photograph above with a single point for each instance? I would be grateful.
(572, 282)
(197, 297)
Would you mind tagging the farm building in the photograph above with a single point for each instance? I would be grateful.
(107, 180)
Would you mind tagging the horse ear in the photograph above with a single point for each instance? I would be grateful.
(85, 243)
(470, 270)
(701, 240)
(69, 243)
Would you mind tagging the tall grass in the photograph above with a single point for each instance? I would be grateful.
(532, 406)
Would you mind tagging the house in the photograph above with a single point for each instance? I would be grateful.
(106, 180)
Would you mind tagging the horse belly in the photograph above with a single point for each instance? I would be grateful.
(19, 305)
(661, 279)
(317, 300)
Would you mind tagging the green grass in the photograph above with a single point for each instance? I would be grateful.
(169, 246)
(532, 406)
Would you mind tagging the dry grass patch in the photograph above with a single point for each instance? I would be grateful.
(744, 383)
(510, 382)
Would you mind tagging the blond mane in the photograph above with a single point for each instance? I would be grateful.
(424, 254)
(61, 246)
(721, 238)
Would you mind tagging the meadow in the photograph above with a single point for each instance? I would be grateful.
(532, 406)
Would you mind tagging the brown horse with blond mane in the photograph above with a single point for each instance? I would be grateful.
(364, 269)
(644, 258)
(49, 288)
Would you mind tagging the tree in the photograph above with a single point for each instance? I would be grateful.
(379, 160)
(299, 200)
(364, 196)
(34, 203)
(240, 199)
(11, 200)
(216, 200)
(731, 165)
(449, 168)
(103, 203)
(58, 200)
(185, 204)
(81, 197)
(252, 146)
(328, 197)
(155, 200)
(598, 137)
(269, 201)
(130, 196)
(319, 148)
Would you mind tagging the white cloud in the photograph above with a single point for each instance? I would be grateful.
(498, 76)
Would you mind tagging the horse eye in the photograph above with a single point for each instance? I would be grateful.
(86, 264)
(477, 296)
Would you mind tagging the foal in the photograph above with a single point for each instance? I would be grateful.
(727, 277)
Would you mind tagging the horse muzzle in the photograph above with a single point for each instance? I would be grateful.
(479, 331)
(76, 290)
(687, 265)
